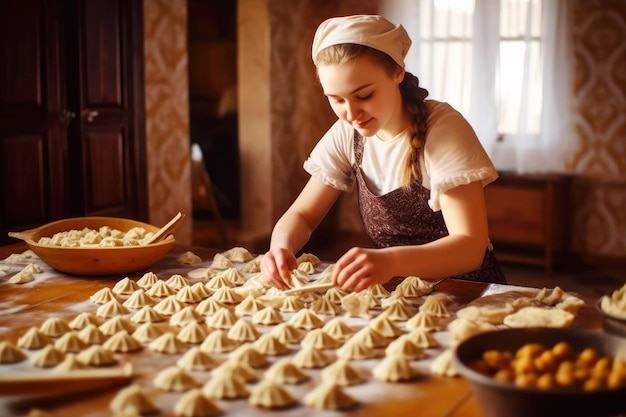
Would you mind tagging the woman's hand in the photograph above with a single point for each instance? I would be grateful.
(276, 267)
(360, 268)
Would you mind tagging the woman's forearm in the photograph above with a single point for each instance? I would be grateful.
(291, 232)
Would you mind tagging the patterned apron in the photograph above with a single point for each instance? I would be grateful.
(403, 217)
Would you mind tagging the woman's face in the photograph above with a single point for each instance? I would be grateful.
(363, 94)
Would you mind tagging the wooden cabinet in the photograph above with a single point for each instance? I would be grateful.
(528, 218)
(72, 140)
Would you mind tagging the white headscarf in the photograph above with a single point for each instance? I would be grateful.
(368, 30)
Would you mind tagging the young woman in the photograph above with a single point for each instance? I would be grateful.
(417, 164)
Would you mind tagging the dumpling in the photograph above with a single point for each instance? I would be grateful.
(268, 344)
(268, 316)
(284, 371)
(404, 346)
(123, 342)
(308, 257)
(370, 337)
(220, 262)
(324, 306)
(355, 350)
(443, 364)
(222, 319)
(462, 329)
(147, 280)
(310, 357)
(218, 342)
(234, 369)
(338, 329)
(287, 333)
(83, 319)
(132, 399)
(238, 254)
(92, 335)
(188, 295)
(422, 338)
(195, 404)
(139, 299)
(147, 314)
(111, 309)
(195, 359)
(70, 343)
(96, 355)
(193, 332)
(329, 396)
(125, 286)
(167, 343)
(249, 306)
(47, 357)
(185, 316)
(55, 327)
(243, 331)
(248, 354)
(103, 296)
(33, 339)
(115, 324)
(189, 258)
(177, 282)
(224, 386)
(9, 353)
(175, 379)
(385, 326)
(425, 321)
(493, 314)
(169, 305)
(318, 338)
(306, 267)
(398, 312)
(160, 290)
(292, 304)
(539, 317)
(394, 369)
(436, 305)
(227, 295)
(306, 319)
(271, 394)
(209, 307)
(147, 332)
(414, 287)
(342, 373)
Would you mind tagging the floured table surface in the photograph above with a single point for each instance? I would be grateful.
(52, 294)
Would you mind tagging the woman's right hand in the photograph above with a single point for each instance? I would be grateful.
(276, 267)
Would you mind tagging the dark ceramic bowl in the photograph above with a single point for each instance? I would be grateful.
(500, 399)
(612, 324)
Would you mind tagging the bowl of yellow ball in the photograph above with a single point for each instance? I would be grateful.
(96, 245)
(545, 372)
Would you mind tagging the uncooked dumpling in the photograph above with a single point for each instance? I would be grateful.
(69, 363)
(92, 335)
(414, 287)
(357, 305)
(222, 319)
(169, 305)
(342, 373)
(123, 342)
(338, 329)
(209, 307)
(217, 282)
(249, 306)
(436, 305)
(227, 295)
(268, 316)
(404, 346)
(398, 312)
(139, 299)
(243, 331)
(370, 337)
(132, 399)
(306, 319)
(284, 371)
(385, 326)
(199, 290)
(394, 369)
(310, 357)
(224, 386)
(22, 277)
(125, 286)
(238, 254)
(115, 324)
(160, 290)
(248, 354)
(235, 369)
(336, 294)
(377, 291)
(175, 379)
(176, 282)
(221, 262)
(96, 355)
(308, 257)
(189, 258)
(9, 353)
(188, 295)
(307, 268)
(195, 359)
(268, 344)
(218, 342)
(195, 404)
(147, 314)
(329, 396)
(33, 339)
(443, 364)
(292, 304)
(55, 327)
(271, 394)
(193, 332)
(253, 266)
(287, 333)
(70, 343)
(425, 321)
(462, 329)
(539, 317)
(318, 338)
(103, 296)
(493, 314)
(111, 309)
(354, 350)
(185, 316)
(147, 280)
(47, 357)
(324, 306)
(422, 338)
(83, 319)
(167, 343)
(147, 332)
(298, 278)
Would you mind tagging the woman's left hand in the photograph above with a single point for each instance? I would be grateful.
(360, 268)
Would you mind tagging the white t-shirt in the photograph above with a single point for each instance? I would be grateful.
(452, 156)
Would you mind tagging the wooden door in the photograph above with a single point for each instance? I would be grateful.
(72, 141)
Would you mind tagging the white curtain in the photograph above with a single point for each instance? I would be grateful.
(525, 125)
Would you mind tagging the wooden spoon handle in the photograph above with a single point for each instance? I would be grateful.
(310, 288)
(162, 233)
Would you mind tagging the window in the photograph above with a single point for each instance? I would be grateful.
(504, 64)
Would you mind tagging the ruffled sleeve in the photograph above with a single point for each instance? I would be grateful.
(453, 155)
(331, 159)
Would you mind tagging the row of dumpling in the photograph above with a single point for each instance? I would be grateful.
(27, 273)
(103, 237)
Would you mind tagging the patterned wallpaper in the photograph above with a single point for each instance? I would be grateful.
(167, 113)
(599, 192)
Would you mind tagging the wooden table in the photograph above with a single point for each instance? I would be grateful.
(25, 306)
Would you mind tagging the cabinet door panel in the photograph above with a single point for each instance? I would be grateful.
(105, 171)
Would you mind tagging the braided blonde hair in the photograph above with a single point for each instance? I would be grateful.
(413, 97)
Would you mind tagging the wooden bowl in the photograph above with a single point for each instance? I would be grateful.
(499, 399)
(610, 323)
(95, 261)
